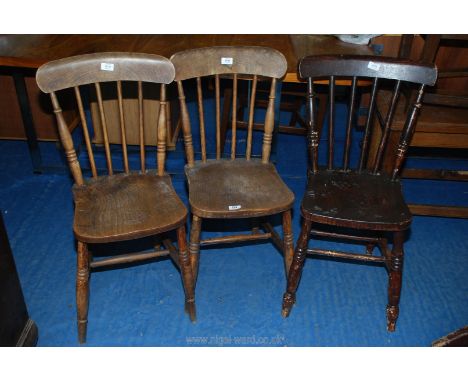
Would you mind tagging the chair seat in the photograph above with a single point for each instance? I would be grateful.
(350, 199)
(236, 189)
(126, 206)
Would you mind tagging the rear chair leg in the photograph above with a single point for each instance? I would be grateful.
(370, 248)
(255, 226)
(186, 271)
(294, 275)
(288, 246)
(395, 267)
(82, 290)
(194, 247)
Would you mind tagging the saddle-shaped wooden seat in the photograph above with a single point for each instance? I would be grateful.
(237, 189)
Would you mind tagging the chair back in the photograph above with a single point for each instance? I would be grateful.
(90, 71)
(381, 73)
(255, 64)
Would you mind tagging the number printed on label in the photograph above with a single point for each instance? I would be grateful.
(227, 60)
(236, 207)
(107, 67)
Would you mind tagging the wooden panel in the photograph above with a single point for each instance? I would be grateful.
(459, 141)
(11, 125)
(451, 54)
(130, 102)
(445, 211)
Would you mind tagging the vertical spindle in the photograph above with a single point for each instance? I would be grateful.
(386, 129)
(312, 133)
(162, 131)
(350, 123)
(331, 122)
(141, 119)
(201, 119)
(248, 151)
(186, 125)
(67, 142)
(218, 117)
(407, 133)
(367, 130)
(234, 117)
(84, 124)
(104, 128)
(269, 123)
(123, 137)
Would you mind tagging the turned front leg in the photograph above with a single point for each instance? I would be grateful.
(288, 245)
(395, 268)
(295, 270)
(194, 247)
(82, 290)
(187, 275)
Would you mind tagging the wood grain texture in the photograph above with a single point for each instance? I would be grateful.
(251, 60)
(254, 186)
(88, 68)
(357, 200)
(125, 207)
(368, 66)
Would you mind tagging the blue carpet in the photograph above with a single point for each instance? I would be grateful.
(239, 289)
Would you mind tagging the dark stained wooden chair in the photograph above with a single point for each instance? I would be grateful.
(233, 188)
(353, 202)
(113, 207)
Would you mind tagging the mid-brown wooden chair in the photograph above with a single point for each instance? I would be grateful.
(359, 199)
(116, 207)
(233, 188)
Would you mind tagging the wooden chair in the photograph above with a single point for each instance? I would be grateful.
(130, 205)
(357, 199)
(233, 188)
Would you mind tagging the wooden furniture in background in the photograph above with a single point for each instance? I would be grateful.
(11, 126)
(130, 205)
(443, 123)
(233, 188)
(16, 328)
(345, 200)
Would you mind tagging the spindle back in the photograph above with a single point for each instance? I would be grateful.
(379, 71)
(255, 64)
(92, 70)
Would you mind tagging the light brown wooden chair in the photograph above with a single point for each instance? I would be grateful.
(130, 205)
(233, 188)
(344, 199)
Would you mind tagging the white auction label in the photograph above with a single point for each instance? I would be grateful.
(106, 66)
(373, 66)
(236, 207)
(227, 60)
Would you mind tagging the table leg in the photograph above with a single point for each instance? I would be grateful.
(28, 123)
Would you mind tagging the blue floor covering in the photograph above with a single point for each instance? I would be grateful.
(239, 289)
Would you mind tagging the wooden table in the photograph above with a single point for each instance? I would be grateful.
(20, 55)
